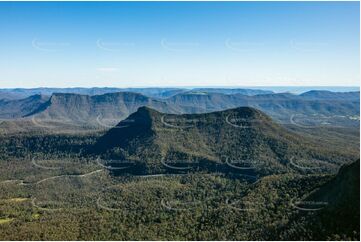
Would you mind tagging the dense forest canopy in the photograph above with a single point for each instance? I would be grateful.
(78, 186)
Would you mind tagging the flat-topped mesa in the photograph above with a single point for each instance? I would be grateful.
(108, 98)
(85, 109)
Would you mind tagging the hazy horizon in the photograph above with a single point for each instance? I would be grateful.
(276, 89)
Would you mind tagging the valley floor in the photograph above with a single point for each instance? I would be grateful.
(92, 205)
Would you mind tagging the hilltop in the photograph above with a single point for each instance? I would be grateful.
(241, 139)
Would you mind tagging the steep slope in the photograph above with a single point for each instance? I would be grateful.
(343, 189)
(339, 219)
(102, 109)
(10, 109)
(242, 139)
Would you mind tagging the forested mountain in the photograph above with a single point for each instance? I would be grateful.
(235, 174)
(242, 138)
(336, 209)
(277, 105)
(308, 109)
(86, 109)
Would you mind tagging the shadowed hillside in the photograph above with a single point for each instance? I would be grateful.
(336, 213)
(237, 139)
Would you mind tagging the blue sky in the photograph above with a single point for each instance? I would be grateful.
(125, 44)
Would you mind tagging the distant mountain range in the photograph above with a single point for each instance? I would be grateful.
(243, 139)
(163, 92)
(18, 93)
(110, 108)
(87, 109)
